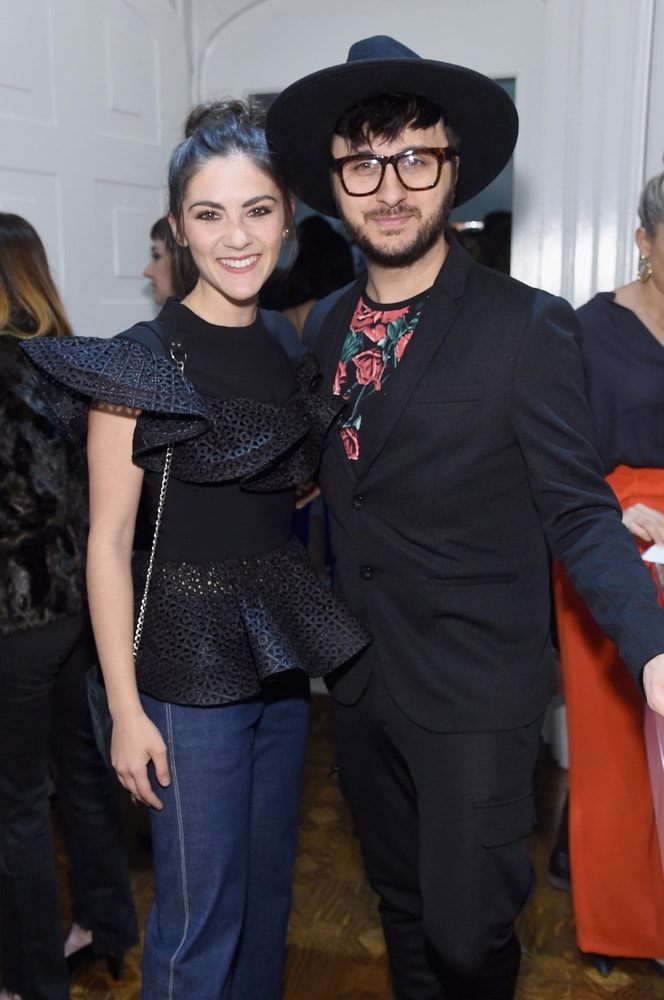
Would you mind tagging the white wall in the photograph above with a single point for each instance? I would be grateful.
(589, 89)
(580, 218)
(502, 38)
(92, 96)
(655, 110)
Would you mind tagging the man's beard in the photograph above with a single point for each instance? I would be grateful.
(401, 255)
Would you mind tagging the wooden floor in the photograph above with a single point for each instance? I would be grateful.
(335, 949)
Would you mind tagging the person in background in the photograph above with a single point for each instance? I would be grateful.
(463, 458)
(324, 262)
(46, 649)
(210, 716)
(616, 868)
(497, 240)
(470, 238)
(168, 273)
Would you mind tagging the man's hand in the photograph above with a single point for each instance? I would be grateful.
(653, 683)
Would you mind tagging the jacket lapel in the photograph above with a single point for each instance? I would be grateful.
(331, 336)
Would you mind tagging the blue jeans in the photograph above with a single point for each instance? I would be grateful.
(224, 846)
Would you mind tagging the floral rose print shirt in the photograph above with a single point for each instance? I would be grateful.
(373, 348)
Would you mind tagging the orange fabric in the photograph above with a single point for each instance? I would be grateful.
(617, 879)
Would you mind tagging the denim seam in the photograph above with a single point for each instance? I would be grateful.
(183, 863)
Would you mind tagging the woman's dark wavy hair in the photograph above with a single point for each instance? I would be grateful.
(220, 128)
(29, 303)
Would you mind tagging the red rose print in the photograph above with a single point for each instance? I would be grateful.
(375, 333)
(385, 334)
(369, 367)
(373, 322)
(366, 321)
(391, 314)
(401, 345)
(339, 378)
(364, 317)
(350, 443)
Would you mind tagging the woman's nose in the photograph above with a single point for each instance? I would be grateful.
(236, 235)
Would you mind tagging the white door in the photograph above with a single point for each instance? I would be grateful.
(93, 94)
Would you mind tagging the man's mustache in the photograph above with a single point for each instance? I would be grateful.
(388, 213)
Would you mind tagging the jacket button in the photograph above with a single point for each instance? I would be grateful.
(366, 572)
(358, 502)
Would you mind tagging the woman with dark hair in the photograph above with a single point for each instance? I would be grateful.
(168, 272)
(46, 648)
(210, 714)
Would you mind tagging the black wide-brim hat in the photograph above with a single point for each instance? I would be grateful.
(302, 117)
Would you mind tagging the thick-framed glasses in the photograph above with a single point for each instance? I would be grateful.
(418, 169)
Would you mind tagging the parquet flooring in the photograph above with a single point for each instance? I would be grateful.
(335, 948)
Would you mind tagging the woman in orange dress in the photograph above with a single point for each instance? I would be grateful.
(616, 867)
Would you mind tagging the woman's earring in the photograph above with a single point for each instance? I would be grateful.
(644, 271)
(286, 233)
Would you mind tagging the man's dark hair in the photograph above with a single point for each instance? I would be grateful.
(386, 116)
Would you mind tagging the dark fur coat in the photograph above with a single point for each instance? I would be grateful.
(43, 505)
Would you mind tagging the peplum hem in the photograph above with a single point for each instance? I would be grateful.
(215, 633)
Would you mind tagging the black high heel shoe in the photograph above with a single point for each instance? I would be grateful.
(82, 958)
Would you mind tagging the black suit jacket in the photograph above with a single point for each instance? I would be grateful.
(476, 467)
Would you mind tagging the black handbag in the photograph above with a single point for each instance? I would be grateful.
(102, 722)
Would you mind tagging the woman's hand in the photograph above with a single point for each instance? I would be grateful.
(645, 522)
(305, 493)
(137, 741)
(653, 683)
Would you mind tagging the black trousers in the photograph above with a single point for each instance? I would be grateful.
(44, 721)
(443, 821)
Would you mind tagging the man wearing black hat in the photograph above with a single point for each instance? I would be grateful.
(462, 462)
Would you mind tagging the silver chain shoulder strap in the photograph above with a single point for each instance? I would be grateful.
(179, 357)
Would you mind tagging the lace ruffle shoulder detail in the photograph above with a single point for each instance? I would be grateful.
(73, 371)
(263, 446)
